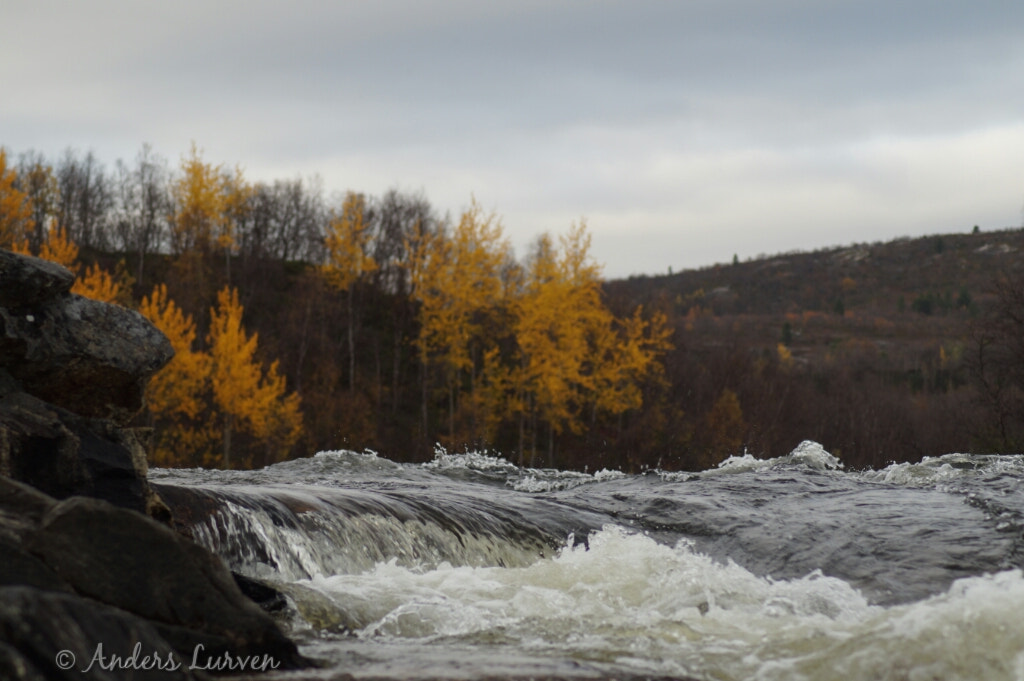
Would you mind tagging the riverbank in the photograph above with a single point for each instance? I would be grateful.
(93, 576)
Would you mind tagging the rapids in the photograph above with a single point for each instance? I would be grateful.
(470, 567)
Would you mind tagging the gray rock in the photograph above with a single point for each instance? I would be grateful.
(89, 357)
(63, 454)
(131, 562)
(22, 509)
(26, 281)
(41, 632)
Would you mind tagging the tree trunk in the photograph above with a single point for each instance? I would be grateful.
(228, 420)
(396, 371)
(451, 411)
(351, 344)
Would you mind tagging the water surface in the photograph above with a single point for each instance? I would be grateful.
(470, 567)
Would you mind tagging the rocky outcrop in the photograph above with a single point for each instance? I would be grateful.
(89, 357)
(36, 628)
(29, 281)
(73, 372)
(151, 580)
(83, 559)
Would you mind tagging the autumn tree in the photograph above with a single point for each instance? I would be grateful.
(572, 352)
(201, 227)
(237, 209)
(247, 395)
(36, 179)
(456, 281)
(95, 282)
(349, 260)
(15, 208)
(724, 428)
(175, 396)
(199, 219)
(630, 357)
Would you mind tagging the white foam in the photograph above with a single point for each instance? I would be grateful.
(807, 453)
(630, 605)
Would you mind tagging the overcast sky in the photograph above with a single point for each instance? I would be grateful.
(684, 132)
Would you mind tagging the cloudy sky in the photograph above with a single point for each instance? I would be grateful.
(684, 131)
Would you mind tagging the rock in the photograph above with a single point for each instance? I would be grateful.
(42, 632)
(269, 598)
(83, 571)
(72, 372)
(131, 562)
(26, 281)
(63, 454)
(22, 509)
(20, 568)
(89, 357)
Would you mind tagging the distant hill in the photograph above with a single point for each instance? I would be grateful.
(865, 276)
(915, 289)
(866, 349)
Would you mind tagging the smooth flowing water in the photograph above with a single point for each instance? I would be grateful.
(469, 567)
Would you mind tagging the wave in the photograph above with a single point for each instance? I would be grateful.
(625, 604)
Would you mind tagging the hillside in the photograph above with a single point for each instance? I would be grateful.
(903, 291)
(863, 348)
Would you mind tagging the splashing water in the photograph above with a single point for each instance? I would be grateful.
(789, 568)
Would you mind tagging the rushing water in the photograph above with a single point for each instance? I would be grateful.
(469, 567)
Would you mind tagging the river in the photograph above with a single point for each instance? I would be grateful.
(469, 567)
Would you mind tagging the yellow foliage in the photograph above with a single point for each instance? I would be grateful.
(96, 283)
(455, 279)
(200, 216)
(725, 426)
(557, 317)
(200, 398)
(633, 356)
(785, 356)
(246, 396)
(99, 285)
(60, 249)
(15, 208)
(572, 350)
(177, 389)
(237, 194)
(348, 238)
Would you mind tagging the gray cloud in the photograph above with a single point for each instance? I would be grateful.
(686, 131)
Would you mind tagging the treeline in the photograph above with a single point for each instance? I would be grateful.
(304, 322)
(368, 322)
(825, 346)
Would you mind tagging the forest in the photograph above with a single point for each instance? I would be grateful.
(305, 322)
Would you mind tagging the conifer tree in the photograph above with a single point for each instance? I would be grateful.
(199, 220)
(246, 395)
(457, 281)
(15, 208)
(96, 283)
(349, 260)
(175, 396)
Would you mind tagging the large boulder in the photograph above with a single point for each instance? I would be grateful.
(83, 571)
(55, 636)
(26, 281)
(64, 454)
(73, 372)
(155, 581)
(89, 357)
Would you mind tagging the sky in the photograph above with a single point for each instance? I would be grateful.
(683, 131)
